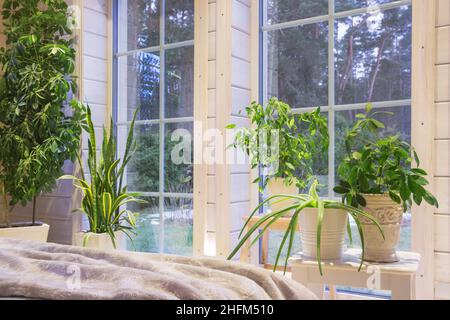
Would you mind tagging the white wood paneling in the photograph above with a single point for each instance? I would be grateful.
(241, 16)
(240, 100)
(241, 44)
(443, 45)
(443, 83)
(443, 120)
(94, 45)
(442, 233)
(443, 13)
(442, 190)
(212, 16)
(442, 267)
(212, 46)
(239, 188)
(240, 73)
(212, 74)
(95, 22)
(442, 291)
(95, 69)
(442, 160)
(97, 5)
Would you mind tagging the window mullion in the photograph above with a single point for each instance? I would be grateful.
(331, 99)
(162, 70)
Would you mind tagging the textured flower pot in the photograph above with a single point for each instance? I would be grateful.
(389, 215)
(24, 231)
(101, 241)
(277, 186)
(332, 237)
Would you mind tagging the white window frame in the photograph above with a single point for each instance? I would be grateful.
(162, 121)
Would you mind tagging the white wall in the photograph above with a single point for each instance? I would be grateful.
(442, 154)
(228, 93)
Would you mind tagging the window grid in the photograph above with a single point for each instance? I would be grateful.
(331, 108)
(162, 120)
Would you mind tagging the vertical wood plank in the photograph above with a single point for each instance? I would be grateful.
(200, 122)
(423, 128)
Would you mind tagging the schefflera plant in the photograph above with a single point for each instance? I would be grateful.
(378, 165)
(298, 138)
(39, 130)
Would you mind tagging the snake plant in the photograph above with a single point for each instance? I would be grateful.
(297, 203)
(105, 196)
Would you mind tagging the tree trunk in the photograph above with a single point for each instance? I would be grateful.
(5, 210)
(377, 68)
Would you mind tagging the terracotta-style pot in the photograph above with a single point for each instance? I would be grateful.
(24, 231)
(101, 241)
(389, 215)
(332, 237)
(277, 186)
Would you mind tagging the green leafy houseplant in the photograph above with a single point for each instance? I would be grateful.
(105, 196)
(300, 203)
(38, 129)
(299, 138)
(380, 165)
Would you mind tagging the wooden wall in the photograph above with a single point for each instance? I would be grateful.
(442, 151)
(228, 185)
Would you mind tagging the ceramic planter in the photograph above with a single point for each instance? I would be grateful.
(332, 237)
(101, 241)
(389, 215)
(277, 186)
(23, 231)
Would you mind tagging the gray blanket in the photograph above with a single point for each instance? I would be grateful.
(50, 271)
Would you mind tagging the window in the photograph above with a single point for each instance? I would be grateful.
(339, 54)
(154, 71)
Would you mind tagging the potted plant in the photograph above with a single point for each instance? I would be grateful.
(283, 145)
(39, 130)
(377, 175)
(104, 196)
(322, 225)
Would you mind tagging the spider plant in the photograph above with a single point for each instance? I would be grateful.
(105, 197)
(301, 202)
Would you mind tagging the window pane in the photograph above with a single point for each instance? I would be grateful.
(141, 18)
(179, 82)
(343, 5)
(373, 57)
(139, 86)
(178, 158)
(398, 123)
(148, 226)
(179, 20)
(143, 170)
(319, 163)
(297, 65)
(282, 11)
(275, 239)
(178, 222)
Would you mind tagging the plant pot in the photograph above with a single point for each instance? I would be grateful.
(277, 186)
(389, 215)
(101, 241)
(332, 237)
(25, 231)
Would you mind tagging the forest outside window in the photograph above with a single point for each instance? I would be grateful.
(339, 54)
(155, 67)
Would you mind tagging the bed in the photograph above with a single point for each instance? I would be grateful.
(50, 271)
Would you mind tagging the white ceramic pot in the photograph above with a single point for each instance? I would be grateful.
(332, 236)
(101, 241)
(389, 215)
(38, 233)
(277, 186)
